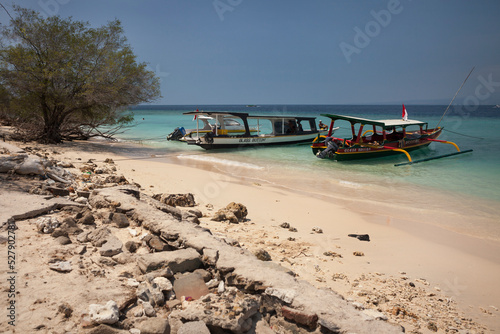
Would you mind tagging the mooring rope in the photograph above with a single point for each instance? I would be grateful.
(461, 134)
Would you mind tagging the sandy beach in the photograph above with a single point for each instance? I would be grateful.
(405, 241)
(417, 266)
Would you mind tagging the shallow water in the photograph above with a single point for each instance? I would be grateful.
(465, 186)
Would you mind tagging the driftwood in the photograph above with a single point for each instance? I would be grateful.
(27, 165)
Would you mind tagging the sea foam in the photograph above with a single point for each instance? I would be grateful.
(225, 162)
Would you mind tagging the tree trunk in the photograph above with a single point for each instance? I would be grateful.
(51, 133)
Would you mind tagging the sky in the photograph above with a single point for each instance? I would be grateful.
(306, 51)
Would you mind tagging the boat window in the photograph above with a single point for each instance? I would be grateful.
(231, 122)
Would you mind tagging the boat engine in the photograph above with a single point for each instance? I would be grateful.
(329, 151)
(177, 134)
(209, 138)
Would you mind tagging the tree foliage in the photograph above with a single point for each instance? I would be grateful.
(67, 79)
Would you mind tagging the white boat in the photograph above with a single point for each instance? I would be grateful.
(270, 130)
(230, 124)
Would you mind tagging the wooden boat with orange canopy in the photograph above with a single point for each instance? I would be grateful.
(378, 138)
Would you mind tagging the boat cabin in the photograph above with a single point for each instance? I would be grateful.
(378, 132)
(242, 124)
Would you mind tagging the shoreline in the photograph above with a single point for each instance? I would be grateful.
(414, 249)
(463, 267)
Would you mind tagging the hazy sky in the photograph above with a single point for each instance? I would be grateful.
(306, 51)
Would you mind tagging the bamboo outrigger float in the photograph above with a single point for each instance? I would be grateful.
(385, 137)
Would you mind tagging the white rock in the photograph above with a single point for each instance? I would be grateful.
(212, 283)
(61, 266)
(221, 288)
(81, 200)
(372, 314)
(134, 331)
(132, 282)
(285, 295)
(104, 314)
(47, 225)
(132, 232)
(163, 283)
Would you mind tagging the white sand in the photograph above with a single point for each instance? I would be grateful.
(458, 260)
(422, 244)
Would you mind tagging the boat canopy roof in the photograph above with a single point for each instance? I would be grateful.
(385, 124)
(246, 115)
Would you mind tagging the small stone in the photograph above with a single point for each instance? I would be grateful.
(332, 254)
(210, 256)
(58, 232)
(317, 229)
(432, 326)
(80, 249)
(194, 327)
(47, 225)
(133, 282)
(285, 225)
(286, 295)
(212, 283)
(111, 247)
(173, 303)
(156, 325)
(61, 266)
(120, 220)
(65, 309)
(88, 219)
(263, 255)
(63, 240)
(157, 244)
(362, 237)
(131, 246)
(221, 287)
(358, 254)
(104, 314)
(301, 317)
(148, 309)
(163, 283)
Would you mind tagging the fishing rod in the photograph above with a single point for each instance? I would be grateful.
(463, 83)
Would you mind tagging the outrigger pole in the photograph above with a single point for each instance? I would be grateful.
(463, 83)
(410, 162)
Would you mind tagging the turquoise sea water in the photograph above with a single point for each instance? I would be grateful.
(460, 192)
(472, 174)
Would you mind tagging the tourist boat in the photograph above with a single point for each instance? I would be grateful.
(208, 125)
(378, 138)
(270, 130)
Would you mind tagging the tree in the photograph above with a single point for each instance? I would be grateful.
(68, 79)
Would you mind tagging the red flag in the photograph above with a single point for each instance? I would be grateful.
(405, 114)
(195, 116)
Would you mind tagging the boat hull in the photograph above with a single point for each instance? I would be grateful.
(359, 153)
(217, 142)
(366, 151)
